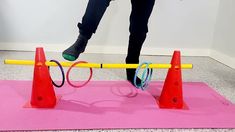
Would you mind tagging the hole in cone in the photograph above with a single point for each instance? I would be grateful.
(174, 100)
(39, 98)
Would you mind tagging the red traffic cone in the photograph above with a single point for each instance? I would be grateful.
(43, 95)
(171, 96)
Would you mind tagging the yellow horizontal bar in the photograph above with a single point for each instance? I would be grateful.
(96, 65)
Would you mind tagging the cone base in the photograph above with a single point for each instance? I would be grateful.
(28, 104)
(185, 106)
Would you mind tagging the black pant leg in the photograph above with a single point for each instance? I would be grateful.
(141, 11)
(91, 19)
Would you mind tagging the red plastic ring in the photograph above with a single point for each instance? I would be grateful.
(68, 72)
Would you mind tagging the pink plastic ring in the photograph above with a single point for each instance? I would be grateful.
(68, 72)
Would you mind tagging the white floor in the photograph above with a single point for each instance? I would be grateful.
(205, 69)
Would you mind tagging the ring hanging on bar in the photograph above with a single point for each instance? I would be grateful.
(62, 72)
(145, 79)
(68, 72)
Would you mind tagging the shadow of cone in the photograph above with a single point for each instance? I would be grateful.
(43, 95)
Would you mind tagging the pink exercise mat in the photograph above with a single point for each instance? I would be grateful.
(113, 104)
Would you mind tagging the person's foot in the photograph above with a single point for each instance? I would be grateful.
(130, 73)
(73, 52)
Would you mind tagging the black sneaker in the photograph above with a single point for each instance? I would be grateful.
(73, 52)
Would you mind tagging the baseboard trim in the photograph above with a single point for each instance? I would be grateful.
(227, 60)
(103, 49)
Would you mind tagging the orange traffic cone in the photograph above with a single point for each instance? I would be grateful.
(43, 95)
(172, 96)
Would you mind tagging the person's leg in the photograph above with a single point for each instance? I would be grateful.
(141, 11)
(90, 21)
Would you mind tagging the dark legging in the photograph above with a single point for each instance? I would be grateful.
(141, 11)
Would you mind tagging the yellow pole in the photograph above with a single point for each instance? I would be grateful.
(96, 65)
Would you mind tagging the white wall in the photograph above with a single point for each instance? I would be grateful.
(36, 21)
(175, 24)
(224, 36)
